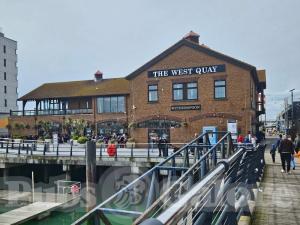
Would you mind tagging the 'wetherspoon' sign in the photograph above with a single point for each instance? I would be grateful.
(186, 71)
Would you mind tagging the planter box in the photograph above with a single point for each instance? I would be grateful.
(130, 144)
(48, 140)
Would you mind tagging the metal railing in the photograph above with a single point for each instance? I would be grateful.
(220, 198)
(51, 112)
(68, 187)
(173, 172)
(46, 149)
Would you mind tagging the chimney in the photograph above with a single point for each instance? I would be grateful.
(98, 75)
(192, 36)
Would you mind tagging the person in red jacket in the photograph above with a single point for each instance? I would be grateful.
(240, 139)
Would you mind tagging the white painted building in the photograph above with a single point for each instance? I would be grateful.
(8, 77)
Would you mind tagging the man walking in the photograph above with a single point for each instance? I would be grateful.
(286, 150)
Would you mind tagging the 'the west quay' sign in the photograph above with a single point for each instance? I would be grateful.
(186, 71)
(185, 107)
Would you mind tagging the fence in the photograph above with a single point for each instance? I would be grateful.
(68, 187)
(42, 148)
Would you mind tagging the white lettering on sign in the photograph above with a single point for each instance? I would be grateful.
(186, 71)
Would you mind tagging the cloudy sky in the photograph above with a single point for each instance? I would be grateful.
(62, 40)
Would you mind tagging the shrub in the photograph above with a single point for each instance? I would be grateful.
(75, 137)
(47, 136)
(17, 137)
(82, 140)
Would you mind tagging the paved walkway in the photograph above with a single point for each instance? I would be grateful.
(279, 201)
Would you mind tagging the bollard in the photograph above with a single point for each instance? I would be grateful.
(116, 155)
(56, 149)
(131, 151)
(45, 147)
(7, 148)
(27, 149)
(71, 150)
(100, 150)
(31, 150)
(90, 177)
(19, 150)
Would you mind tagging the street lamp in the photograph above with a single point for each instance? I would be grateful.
(292, 95)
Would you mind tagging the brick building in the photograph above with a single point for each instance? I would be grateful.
(187, 87)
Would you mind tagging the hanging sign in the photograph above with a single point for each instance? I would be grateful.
(186, 71)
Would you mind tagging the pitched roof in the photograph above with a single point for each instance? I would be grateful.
(115, 86)
(200, 48)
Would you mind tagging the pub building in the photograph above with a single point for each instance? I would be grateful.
(184, 90)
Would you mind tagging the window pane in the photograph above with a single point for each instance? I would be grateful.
(219, 82)
(114, 104)
(177, 85)
(191, 85)
(192, 93)
(152, 87)
(153, 97)
(100, 105)
(121, 104)
(220, 92)
(152, 93)
(106, 104)
(178, 94)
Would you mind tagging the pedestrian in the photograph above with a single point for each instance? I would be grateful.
(286, 150)
(273, 152)
(253, 140)
(160, 146)
(240, 139)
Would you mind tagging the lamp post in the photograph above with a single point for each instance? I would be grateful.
(292, 96)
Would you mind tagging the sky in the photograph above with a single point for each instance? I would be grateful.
(63, 40)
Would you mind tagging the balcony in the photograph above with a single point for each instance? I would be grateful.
(51, 112)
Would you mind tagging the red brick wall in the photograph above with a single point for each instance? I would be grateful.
(237, 105)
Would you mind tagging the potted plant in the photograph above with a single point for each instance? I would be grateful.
(47, 138)
(82, 140)
(17, 138)
(132, 125)
(184, 124)
(130, 143)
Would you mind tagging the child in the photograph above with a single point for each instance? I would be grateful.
(273, 152)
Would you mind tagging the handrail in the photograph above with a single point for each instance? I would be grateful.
(220, 198)
(178, 181)
(183, 149)
(185, 200)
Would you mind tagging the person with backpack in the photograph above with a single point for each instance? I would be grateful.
(286, 150)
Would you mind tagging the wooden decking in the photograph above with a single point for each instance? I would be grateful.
(43, 205)
(279, 201)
